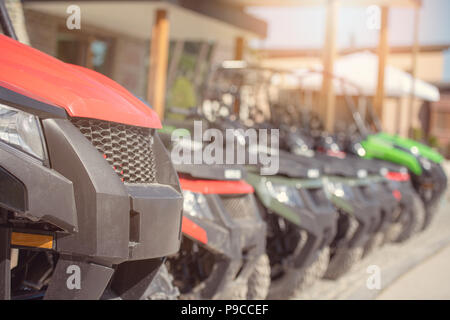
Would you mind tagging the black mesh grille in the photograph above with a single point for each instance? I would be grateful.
(128, 149)
(239, 206)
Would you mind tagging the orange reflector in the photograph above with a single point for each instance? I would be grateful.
(32, 240)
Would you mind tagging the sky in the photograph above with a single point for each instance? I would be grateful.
(304, 27)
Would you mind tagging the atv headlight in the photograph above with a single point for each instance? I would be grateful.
(424, 163)
(196, 205)
(340, 190)
(285, 194)
(22, 131)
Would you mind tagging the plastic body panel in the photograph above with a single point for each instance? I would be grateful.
(104, 204)
(79, 91)
(49, 195)
(318, 222)
(235, 242)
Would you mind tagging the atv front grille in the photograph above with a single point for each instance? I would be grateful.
(239, 206)
(128, 149)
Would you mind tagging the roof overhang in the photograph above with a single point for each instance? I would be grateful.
(343, 3)
(189, 20)
(317, 52)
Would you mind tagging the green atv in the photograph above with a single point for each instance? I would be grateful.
(366, 139)
(424, 163)
(301, 224)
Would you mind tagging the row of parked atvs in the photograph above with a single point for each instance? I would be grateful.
(92, 207)
(253, 236)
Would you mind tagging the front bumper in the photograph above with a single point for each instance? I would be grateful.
(377, 192)
(237, 238)
(230, 236)
(116, 222)
(317, 217)
(101, 221)
(367, 213)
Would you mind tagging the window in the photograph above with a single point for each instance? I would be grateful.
(87, 50)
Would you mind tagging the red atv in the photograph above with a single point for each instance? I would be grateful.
(222, 255)
(88, 195)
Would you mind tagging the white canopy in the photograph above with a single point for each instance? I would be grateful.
(361, 69)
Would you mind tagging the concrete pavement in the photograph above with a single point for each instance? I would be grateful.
(426, 253)
(428, 280)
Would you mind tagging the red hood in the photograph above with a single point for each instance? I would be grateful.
(80, 91)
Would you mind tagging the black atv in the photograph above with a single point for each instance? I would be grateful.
(222, 255)
(300, 218)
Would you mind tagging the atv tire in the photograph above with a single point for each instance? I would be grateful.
(295, 281)
(430, 213)
(342, 261)
(259, 280)
(416, 223)
(375, 242)
(162, 287)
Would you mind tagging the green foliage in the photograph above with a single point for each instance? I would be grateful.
(419, 135)
(181, 95)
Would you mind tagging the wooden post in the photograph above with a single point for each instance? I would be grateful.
(329, 55)
(238, 55)
(415, 52)
(239, 45)
(398, 115)
(383, 49)
(157, 74)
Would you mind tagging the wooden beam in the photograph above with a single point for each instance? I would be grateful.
(398, 115)
(383, 49)
(329, 56)
(231, 14)
(239, 44)
(415, 53)
(159, 50)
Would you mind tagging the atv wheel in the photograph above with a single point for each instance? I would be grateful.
(259, 280)
(342, 261)
(162, 287)
(432, 201)
(416, 220)
(375, 241)
(430, 212)
(295, 281)
(234, 291)
(394, 232)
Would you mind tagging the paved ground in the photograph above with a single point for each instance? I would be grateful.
(428, 280)
(418, 268)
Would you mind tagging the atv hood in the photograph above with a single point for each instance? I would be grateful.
(406, 143)
(80, 91)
